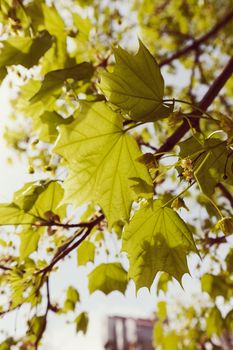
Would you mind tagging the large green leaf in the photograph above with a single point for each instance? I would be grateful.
(136, 85)
(24, 50)
(156, 239)
(108, 278)
(102, 161)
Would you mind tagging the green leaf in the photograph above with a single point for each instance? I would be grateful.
(11, 214)
(49, 121)
(163, 282)
(24, 50)
(53, 21)
(32, 203)
(214, 322)
(102, 160)
(82, 322)
(83, 25)
(72, 294)
(72, 297)
(3, 73)
(229, 261)
(215, 285)
(228, 321)
(53, 82)
(212, 162)
(29, 239)
(48, 202)
(136, 85)
(36, 324)
(85, 253)
(156, 239)
(7, 344)
(24, 105)
(162, 310)
(26, 196)
(108, 278)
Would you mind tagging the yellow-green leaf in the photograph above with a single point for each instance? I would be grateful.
(29, 239)
(102, 161)
(108, 278)
(82, 322)
(136, 85)
(156, 239)
(85, 253)
(24, 50)
(53, 82)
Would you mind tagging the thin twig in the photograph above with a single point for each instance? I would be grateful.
(68, 249)
(5, 268)
(226, 193)
(48, 307)
(204, 38)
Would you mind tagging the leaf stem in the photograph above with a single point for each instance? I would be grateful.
(180, 194)
(214, 205)
(192, 105)
(134, 126)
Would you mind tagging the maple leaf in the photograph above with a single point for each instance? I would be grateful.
(136, 85)
(156, 239)
(102, 161)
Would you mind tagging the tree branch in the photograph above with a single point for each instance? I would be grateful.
(196, 43)
(205, 102)
(69, 248)
(48, 307)
(226, 193)
(5, 268)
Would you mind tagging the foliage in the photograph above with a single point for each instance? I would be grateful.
(123, 147)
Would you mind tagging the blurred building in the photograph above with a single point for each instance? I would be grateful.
(129, 334)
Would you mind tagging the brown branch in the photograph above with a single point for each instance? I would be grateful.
(59, 224)
(48, 307)
(206, 101)
(69, 248)
(5, 268)
(226, 193)
(196, 43)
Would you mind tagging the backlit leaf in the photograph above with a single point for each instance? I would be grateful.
(108, 278)
(85, 253)
(82, 322)
(214, 322)
(156, 239)
(136, 85)
(24, 50)
(212, 162)
(29, 239)
(53, 82)
(102, 161)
